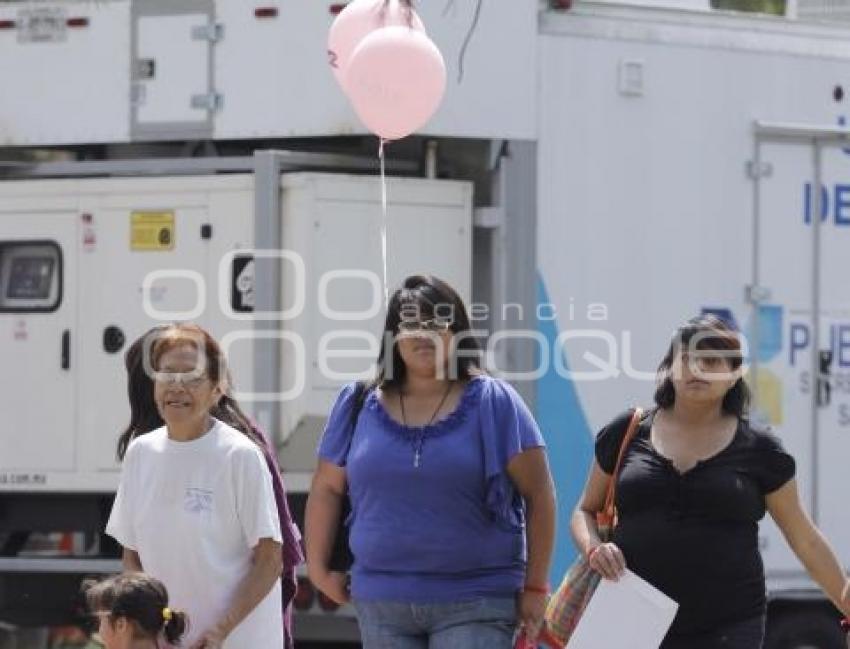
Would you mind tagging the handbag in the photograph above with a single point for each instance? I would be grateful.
(580, 582)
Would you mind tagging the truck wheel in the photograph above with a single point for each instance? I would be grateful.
(804, 630)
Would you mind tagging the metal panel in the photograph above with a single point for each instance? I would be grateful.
(40, 362)
(287, 161)
(819, 328)
(165, 51)
(66, 91)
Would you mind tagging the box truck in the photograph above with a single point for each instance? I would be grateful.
(594, 177)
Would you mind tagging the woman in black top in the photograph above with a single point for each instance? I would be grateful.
(694, 483)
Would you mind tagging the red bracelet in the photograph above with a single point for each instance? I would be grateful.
(845, 625)
(543, 590)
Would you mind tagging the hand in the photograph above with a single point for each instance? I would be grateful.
(335, 585)
(210, 639)
(608, 560)
(531, 607)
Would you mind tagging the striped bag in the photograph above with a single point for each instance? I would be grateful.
(569, 601)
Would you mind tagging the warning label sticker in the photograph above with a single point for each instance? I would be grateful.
(151, 230)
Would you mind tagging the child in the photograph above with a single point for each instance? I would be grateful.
(132, 612)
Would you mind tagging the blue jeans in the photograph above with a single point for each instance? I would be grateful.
(484, 623)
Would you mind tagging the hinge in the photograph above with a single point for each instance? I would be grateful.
(212, 32)
(138, 92)
(488, 217)
(209, 101)
(760, 170)
(757, 294)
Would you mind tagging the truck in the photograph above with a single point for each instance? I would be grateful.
(597, 173)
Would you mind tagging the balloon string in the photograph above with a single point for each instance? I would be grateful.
(384, 221)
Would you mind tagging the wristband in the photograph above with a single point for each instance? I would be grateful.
(543, 590)
(845, 625)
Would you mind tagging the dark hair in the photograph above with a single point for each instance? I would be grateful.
(144, 416)
(711, 333)
(429, 297)
(141, 599)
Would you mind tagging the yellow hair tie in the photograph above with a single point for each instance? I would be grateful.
(166, 614)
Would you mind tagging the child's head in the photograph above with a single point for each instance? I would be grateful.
(133, 606)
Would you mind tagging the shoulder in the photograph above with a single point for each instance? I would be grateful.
(610, 438)
(348, 396)
(495, 389)
(767, 456)
(616, 428)
(147, 443)
(235, 442)
(620, 421)
(760, 437)
(350, 391)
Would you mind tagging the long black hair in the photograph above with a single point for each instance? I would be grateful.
(144, 416)
(707, 332)
(428, 297)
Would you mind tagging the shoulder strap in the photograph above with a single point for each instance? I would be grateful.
(608, 510)
(359, 399)
(357, 406)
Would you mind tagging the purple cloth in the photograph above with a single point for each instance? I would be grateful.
(435, 516)
(291, 551)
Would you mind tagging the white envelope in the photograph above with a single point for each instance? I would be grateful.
(627, 613)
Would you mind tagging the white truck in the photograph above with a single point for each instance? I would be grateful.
(633, 164)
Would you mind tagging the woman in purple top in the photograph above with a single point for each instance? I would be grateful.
(453, 507)
(144, 418)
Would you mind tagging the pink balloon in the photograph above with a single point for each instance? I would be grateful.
(395, 80)
(357, 20)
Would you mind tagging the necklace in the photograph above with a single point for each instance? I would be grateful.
(420, 437)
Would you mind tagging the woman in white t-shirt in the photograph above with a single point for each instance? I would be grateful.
(195, 507)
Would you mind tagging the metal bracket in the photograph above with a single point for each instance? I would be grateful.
(761, 170)
(138, 93)
(757, 294)
(491, 217)
(209, 101)
(212, 32)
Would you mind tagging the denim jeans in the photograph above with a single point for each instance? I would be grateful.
(748, 634)
(484, 623)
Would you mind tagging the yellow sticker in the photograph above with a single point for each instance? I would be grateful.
(152, 231)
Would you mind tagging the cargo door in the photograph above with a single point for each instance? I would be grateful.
(802, 306)
(39, 340)
(173, 95)
(146, 263)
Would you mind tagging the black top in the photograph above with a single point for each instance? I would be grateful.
(694, 535)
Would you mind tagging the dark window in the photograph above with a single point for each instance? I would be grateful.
(30, 276)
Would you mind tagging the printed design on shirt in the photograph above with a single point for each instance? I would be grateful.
(197, 500)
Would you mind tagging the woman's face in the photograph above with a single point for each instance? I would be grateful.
(425, 345)
(702, 375)
(183, 390)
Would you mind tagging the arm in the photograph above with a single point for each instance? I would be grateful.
(809, 544)
(266, 567)
(321, 522)
(605, 558)
(131, 560)
(529, 471)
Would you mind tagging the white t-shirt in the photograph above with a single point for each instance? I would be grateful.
(194, 511)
